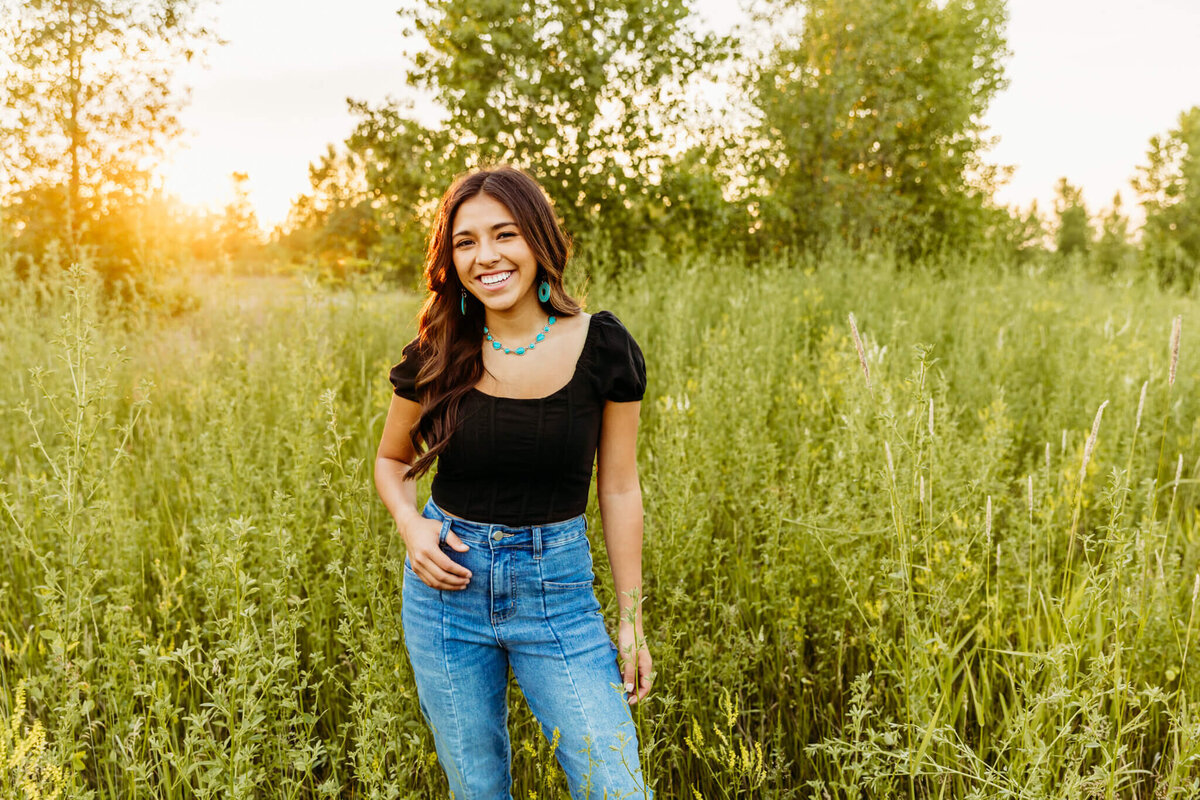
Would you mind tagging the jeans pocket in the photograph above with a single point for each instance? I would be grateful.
(568, 566)
(412, 581)
(555, 586)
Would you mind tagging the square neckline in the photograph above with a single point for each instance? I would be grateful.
(587, 342)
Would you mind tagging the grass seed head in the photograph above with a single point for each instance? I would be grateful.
(1091, 441)
(1176, 332)
(858, 345)
(1141, 404)
(987, 528)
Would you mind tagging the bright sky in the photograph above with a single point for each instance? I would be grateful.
(1091, 82)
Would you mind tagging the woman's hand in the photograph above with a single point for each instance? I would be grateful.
(636, 666)
(433, 567)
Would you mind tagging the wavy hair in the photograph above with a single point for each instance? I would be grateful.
(450, 342)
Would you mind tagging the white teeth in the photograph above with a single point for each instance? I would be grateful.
(488, 280)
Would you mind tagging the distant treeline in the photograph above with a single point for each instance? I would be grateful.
(847, 121)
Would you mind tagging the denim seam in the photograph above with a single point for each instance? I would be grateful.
(458, 743)
(559, 542)
(603, 761)
(491, 612)
(559, 586)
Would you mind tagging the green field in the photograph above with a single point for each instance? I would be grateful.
(951, 578)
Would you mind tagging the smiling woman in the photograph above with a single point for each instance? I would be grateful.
(499, 571)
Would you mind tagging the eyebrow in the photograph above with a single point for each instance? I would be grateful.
(494, 227)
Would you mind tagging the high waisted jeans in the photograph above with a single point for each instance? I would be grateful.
(530, 605)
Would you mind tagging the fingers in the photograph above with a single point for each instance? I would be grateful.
(641, 687)
(439, 571)
(448, 565)
(433, 566)
(646, 673)
(638, 675)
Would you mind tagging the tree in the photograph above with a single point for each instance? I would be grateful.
(368, 201)
(239, 230)
(1074, 231)
(1113, 249)
(1169, 186)
(582, 94)
(870, 121)
(90, 102)
(1016, 236)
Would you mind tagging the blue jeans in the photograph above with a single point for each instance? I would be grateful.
(530, 605)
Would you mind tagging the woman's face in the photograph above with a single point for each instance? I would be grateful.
(492, 257)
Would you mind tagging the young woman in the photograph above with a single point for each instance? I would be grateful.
(514, 391)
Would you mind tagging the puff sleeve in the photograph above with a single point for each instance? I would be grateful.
(404, 375)
(620, 370)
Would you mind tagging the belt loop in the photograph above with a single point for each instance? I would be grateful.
(445, 530)
(537, 543)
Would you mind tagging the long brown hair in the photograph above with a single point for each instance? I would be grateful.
(450, 341)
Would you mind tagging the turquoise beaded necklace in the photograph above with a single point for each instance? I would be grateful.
(520, 350)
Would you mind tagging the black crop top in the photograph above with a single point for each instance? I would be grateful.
(517, 461)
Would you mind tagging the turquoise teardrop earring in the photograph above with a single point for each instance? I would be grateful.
(516, 351)
(544, 291)
(462, 302)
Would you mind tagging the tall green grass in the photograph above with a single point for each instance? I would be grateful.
(925, 568)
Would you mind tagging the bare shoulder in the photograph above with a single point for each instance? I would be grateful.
(577, 325)
(583, 323)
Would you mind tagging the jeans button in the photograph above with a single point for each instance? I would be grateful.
(498, 535)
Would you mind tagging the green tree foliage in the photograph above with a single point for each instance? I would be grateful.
(1016, 236)
(1169, 187)
(404, 168)
(1113, 250)
(587, 97)
(90, 103)
(1074, 230)
(370, 198)
(870, 120)
(583, 94)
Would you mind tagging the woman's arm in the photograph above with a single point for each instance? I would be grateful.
(392, 461)
(620, 496)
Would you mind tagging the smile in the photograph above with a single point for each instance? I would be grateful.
(495, 280)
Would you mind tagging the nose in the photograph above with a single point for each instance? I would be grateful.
(487, 253)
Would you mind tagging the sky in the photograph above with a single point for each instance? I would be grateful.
(1090, 82)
